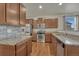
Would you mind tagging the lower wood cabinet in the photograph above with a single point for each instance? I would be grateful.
(71, 50)
(48, 37)
(56, 47)
(60, 49)
(53, 49)
(29, 47)
(4, 50)
(34, 39)
(22, 48)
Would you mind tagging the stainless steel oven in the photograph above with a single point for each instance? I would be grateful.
(40, 37)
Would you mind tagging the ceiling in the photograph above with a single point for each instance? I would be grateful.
(50, 9)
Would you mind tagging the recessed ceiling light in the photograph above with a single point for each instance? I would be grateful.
(60, 3)
(40, 6)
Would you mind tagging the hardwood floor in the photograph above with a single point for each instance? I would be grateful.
(40, 49)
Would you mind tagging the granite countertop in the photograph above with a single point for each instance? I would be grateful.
(67, 38)
(14, 41)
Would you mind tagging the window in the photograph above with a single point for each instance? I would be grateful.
(69, 22)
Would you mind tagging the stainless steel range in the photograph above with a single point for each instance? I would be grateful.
(41, 33)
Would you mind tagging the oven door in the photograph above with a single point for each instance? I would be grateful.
(40, 37)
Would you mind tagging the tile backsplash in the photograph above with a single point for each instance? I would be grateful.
(8, 31)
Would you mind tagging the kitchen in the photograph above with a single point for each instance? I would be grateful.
(39, 29)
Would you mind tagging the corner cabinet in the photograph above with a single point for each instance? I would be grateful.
(12, 13)
(2, 13)
(22, 15)
(23, 48)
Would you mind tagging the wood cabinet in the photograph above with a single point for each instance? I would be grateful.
(2, 13)
(4, 50)
(48, 37)
(29, 46)
(56, 47)
(22, 15)
(12, 13)
(29, 21)
(51, 23)
(60, 49)
(22, 48)
(71, 50)
(53, 49)
(53, 46)
(35, 23)
(38, 21)
(7, 50)
(34, 39)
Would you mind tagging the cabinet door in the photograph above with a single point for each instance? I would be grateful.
(60, 49)
(29, 46)
(29, 21)
(21, 49)
(71, 50)
(35, 23)
(4, 50)
(22, 15)
(53, 46)
(51, 23)
(54, 39)
(40, 20)
(47, 38)
(12, 13)
(34, 39)
(2, 13)
(53, 49)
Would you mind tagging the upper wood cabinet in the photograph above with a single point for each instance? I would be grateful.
(38, 21)
(51, 23)
(22, 15)
(2, 13)
(29, 21)
(12, 13)
(35, 22)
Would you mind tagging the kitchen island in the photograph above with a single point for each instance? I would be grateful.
(16, 46)
(65, 44)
